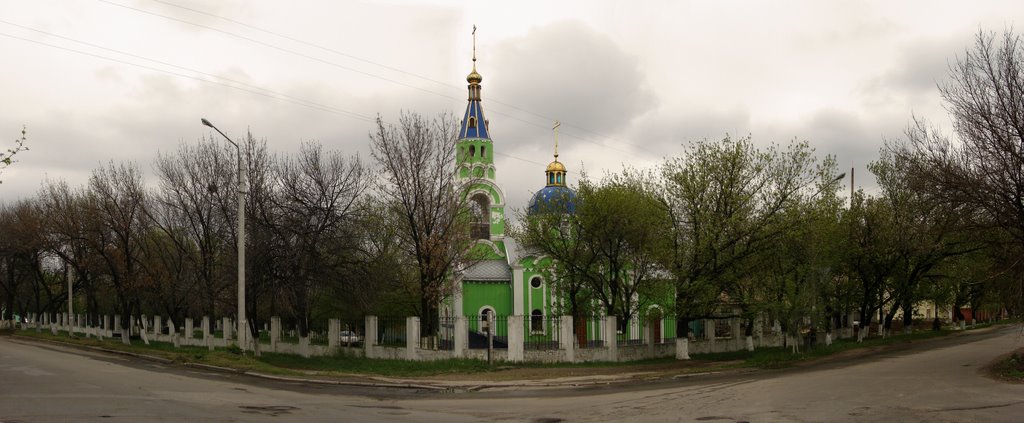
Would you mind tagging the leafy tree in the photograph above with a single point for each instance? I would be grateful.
(804, 288)
(726, 202)
(608, 249)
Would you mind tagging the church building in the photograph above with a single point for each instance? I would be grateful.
(509, 279)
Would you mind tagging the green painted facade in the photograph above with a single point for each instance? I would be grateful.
(509, 278)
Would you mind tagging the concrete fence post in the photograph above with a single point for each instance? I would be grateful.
(611, 337)
(516, 338)
(117, 325)
(370, 337)
(226, 328)
(567, 338)
(461, 336)
(275, 332)
(189, 330)
(206, 333)
(304, 346)
(333, 334)
(412, 337)
(158, 326)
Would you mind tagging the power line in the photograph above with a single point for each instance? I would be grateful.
(368, 61)
(260, 92)
(233, 81)
(361, 72)
(252, 89)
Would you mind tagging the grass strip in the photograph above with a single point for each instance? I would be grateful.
(349, 365)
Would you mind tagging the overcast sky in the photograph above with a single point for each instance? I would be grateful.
(632, 82)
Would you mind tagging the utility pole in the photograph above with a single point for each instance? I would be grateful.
(490, 338)
(71, 296)
(851, 187)
(242, 190)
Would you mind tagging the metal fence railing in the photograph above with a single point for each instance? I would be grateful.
(318, 337)
(391, 331)
(443, 338)
(630, 332)
(589, 331)
(353, 332)
(478, 330)
(723, 329)
(542, 333)
(663, 331)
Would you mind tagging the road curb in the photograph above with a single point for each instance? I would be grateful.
(94, 348)
(440, 386)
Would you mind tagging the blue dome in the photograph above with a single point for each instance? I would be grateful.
(553, 199)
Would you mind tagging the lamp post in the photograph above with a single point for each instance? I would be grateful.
(242, 189)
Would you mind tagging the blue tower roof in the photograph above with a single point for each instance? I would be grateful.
(474, 125)
(553, 199)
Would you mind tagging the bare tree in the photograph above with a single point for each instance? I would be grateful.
(982, 168)
(186, 212)
(117, 197)
(314, 211)
(71, 235)
(417, 180)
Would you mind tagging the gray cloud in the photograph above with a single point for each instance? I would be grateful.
(569, 71)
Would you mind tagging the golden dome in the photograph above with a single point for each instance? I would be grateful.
(556, 166)
(474, 77)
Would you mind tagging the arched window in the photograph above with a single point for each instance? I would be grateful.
(551, 179)
(483, 151)
(480, 208)
(472, 122)
(536, 321)
(472, 150)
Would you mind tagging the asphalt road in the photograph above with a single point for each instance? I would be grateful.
(939, 384)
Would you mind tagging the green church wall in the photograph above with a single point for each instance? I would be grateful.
(479, 294)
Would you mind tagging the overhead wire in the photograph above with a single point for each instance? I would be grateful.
(351, 69)
(249, 87)
(241, 86)
(368, 61)
(264, 93)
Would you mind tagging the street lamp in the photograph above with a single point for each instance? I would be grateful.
(242, 189)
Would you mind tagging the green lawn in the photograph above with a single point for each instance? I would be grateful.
(342, 364)
(778, 357)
